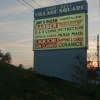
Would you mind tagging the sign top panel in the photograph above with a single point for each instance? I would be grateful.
(61, 9)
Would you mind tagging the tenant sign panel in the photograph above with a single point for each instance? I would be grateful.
(60, 32)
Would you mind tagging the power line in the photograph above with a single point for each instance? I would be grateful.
(36, 3)
(24, 5)
(98, 50)
(29, 4)
(99, 7)
(57, 1)
(67, 0)
(61, 1)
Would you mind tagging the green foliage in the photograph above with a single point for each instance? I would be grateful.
(20, 66)
(30, 69)
(85, 76)
(1, 54)
(22, 84)
(5, 57)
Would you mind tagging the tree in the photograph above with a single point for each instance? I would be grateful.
(1, 54)
(90, 60)
(82, 75)
(79, 74)
(20, 66)
(30, 69)
(89, 64)
(7, 57)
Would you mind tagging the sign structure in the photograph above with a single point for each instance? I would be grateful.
(56, 27)
(60, 32)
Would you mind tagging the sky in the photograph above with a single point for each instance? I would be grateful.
(16, 27)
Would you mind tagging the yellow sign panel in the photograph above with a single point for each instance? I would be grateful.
(60, 32)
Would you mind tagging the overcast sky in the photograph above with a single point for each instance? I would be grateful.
(16, 27)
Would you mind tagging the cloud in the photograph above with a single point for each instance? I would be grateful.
(44, 3)
(21, 52)
(14, 27)
(94, 17)
(13, 10)
(13, 45)
(25, 40)
(24, 46)
(20, 8)
(16, 23)
(26, 62)
(25, 58)
(92, 48)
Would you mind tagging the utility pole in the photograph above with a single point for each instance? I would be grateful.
(98, 51)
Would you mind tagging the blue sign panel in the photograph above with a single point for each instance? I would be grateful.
(61, 9)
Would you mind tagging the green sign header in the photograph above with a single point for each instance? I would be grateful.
(61, 9)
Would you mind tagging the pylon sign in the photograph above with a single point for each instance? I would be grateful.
(61, 27)
(60, 34)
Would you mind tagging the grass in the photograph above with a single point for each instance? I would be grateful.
(21, 84)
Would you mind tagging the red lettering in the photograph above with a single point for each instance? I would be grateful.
(70, 23)
(64, 40)
(46, 26)
(44, 41)
(78, 39)
(42, 46)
